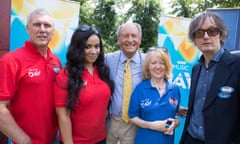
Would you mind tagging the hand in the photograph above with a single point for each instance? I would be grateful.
(173, 124)
(182, 112)
(158, 125)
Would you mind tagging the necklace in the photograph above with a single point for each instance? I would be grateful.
(159, 87)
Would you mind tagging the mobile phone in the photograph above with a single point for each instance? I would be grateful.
(168, 124)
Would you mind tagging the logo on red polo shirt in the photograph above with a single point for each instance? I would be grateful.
(34, 72)
(56, 68)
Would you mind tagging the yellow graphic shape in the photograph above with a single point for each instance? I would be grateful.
(187, 50)
(17, 5)
(55, 39)
(175, 27)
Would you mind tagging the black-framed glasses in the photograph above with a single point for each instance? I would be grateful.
(212, 31)
(155, 48)
(84, 28)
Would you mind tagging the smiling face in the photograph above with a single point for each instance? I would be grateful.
(92, 50)
(129, 39)
(40, 28)
(157, 67)
(208, 44)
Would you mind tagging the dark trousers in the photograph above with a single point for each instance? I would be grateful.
(3, 139)
(100, 142)
(191, 140)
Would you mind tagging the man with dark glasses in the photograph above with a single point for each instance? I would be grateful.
(214, 103)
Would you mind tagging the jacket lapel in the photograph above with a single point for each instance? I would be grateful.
(223, 71)
(194, 79)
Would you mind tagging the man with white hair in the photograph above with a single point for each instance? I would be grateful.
(27, 113)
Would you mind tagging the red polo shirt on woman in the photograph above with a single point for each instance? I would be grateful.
(88, 119)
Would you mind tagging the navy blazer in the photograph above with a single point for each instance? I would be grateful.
(221, 115)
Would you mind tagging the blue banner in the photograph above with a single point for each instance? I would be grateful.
(231, 18)
(172, 34)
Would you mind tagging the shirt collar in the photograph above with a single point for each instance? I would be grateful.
(169, 84)
(33, 48)
(215, 58)
(135, 58)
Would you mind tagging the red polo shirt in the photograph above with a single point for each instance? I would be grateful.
(27, 82)
(88, 119)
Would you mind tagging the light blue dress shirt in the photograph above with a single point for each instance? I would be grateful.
(116, 61)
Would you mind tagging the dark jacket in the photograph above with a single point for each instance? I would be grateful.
(221, 115)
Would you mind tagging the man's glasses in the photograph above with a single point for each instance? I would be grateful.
(84, 28)
(211, 32)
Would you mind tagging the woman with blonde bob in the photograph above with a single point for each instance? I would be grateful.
(155, 101)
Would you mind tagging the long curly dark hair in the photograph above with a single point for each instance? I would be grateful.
(75, 63)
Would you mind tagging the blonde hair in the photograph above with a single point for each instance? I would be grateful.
(164, 56)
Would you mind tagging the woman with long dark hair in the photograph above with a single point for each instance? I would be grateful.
(82, 90)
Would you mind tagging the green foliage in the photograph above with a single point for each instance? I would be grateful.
(106, 15)
(147, 14)
(227, 3)
(86, 9)
(189, 8)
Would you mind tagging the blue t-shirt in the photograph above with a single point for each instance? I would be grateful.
(147, 104)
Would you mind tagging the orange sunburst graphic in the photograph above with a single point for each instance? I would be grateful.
(187, 50)
(55, 39)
